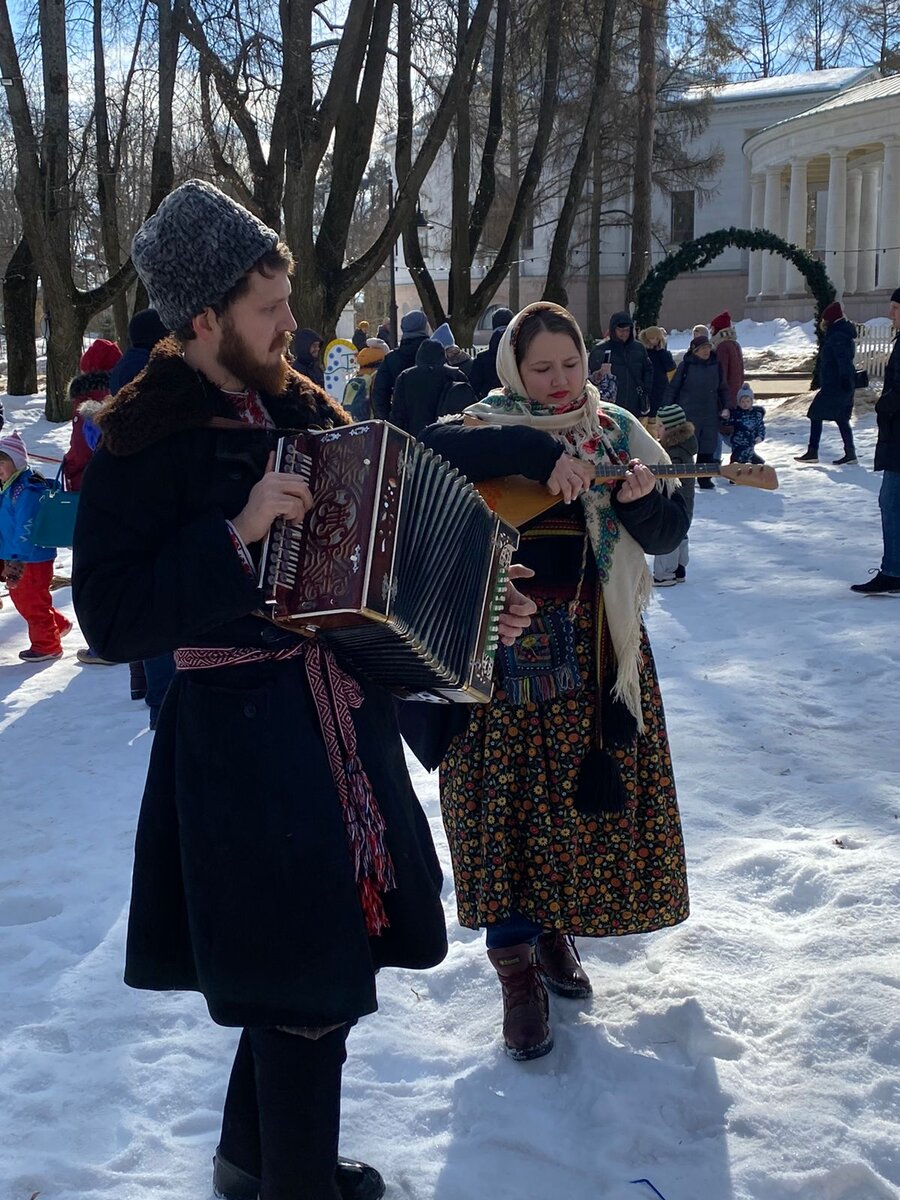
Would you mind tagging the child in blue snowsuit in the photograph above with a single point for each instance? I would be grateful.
(748, 427)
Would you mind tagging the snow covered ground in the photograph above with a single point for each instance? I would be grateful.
(753, 1053)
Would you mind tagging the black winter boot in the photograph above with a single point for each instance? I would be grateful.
(560, 966)
(526, 1009)
(809, 456)
(879, 585)
(355, 1181)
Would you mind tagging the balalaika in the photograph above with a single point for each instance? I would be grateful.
(399, 562)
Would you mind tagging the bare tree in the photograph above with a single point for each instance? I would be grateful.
(642, 178)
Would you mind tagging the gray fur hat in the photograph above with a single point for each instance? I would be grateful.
(195, 248)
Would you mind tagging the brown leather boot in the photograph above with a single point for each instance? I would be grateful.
(526, 1008)
(560, 966)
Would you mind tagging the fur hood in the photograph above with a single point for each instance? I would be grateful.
(676, 434)
(729, 334)
(94, 384)
(170, 397)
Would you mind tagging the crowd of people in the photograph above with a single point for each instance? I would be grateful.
(557, 796)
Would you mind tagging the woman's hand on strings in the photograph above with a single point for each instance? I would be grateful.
(570, 477)
(518, 609)
(278, 494)
(639, 481)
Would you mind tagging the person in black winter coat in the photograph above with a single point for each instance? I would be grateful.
(145, 329)
(429, 390)
(270, 762)
(307, 351)
(629, 362)
(483, 373)
(653, 339)
(360, 335)
(887, 459)
(414, 329)
(700, 390)
(834, 399)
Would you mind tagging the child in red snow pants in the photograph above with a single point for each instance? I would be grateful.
(31, 596)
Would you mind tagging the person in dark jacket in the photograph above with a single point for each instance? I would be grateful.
(653, 339)
(574, 741)
(307, 351)
(360, 335)
(629, 362)
(245, 887)
(414, 330)
(483, 373)
(145, 329)
(384, 334)
(887, 459)
(748, 427)
(834, 399)
(676, 435)
(429, 390)
(698, 387)
(87, 391)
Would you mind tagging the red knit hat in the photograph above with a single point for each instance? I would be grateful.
(833, 312)
(722, 321)
(100, 355)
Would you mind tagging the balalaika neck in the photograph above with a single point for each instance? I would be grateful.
(666, 470)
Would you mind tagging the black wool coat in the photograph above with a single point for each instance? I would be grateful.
(834, 399)
(243, 887)
(887, 411)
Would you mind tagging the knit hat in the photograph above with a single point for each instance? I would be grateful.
(501, 317)
(414, 322)
(895, 296)
(378, 344)
(744, 390)
(195, 248)
(444, 335)
(700, 340)
(832, 312)
(700, 331)
(722, 321)
(369, 356)
(13, 446)
(145, 329)
(670, 416)
(619, 320)
(431, 354)
(100, 355)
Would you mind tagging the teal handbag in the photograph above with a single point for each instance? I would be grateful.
(54, 521)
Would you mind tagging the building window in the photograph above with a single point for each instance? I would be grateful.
(682, 217)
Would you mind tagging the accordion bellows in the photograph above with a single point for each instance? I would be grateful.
(399, 563)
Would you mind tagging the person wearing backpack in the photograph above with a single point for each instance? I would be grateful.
(699, 388)
(28, 569)
(429, 390)
(357, 398)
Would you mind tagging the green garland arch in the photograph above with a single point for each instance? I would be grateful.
(691, 256)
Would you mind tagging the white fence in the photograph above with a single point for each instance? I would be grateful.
(873, 349)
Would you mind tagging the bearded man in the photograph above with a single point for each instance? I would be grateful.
(244, 885)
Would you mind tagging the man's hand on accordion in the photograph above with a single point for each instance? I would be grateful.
(518, 609)
(276, 495)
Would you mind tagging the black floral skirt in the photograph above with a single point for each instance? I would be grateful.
(518, 842)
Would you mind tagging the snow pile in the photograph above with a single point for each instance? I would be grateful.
(750, 1054)
(779, 335)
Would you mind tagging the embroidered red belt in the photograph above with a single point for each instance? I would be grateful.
(335, 694)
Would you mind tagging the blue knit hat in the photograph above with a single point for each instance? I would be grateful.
(444, 335)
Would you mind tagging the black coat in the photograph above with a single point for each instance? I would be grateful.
(834, 400)
(483, 373)
(388, 373)
(887, 411)
(657, 523)
(243, 886)
(662, 362)
(632, 369)
(701, 391)
(311, 367)
(429, 390)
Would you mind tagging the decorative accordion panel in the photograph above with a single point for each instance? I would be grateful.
(399, 563)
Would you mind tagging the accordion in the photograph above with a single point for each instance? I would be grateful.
(399, 563)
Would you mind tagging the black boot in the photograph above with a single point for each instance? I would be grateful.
(809, 456)
(138, 680)
(879, 585)
(849, 459)
(355, 1181)
(560, 965)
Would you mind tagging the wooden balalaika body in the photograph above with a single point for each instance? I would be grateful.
(399, 563)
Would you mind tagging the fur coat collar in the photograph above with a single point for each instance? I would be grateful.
(170, 397)
(676, 434)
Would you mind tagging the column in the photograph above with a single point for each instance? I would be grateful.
(868, 228)
(836, 219)
(771, 265)
(851, 230)
(794, 283)
(757, 200)
(889, 234)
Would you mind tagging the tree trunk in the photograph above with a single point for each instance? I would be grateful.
(19, 303)
(595, 326)
(66, 335)
(642, 179)
(106, 178)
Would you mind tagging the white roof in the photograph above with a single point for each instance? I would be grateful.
(834, 80)
(874, 89)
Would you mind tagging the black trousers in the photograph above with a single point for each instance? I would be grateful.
(283, 1110)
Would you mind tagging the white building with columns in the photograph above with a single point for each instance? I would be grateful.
(814, 157)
